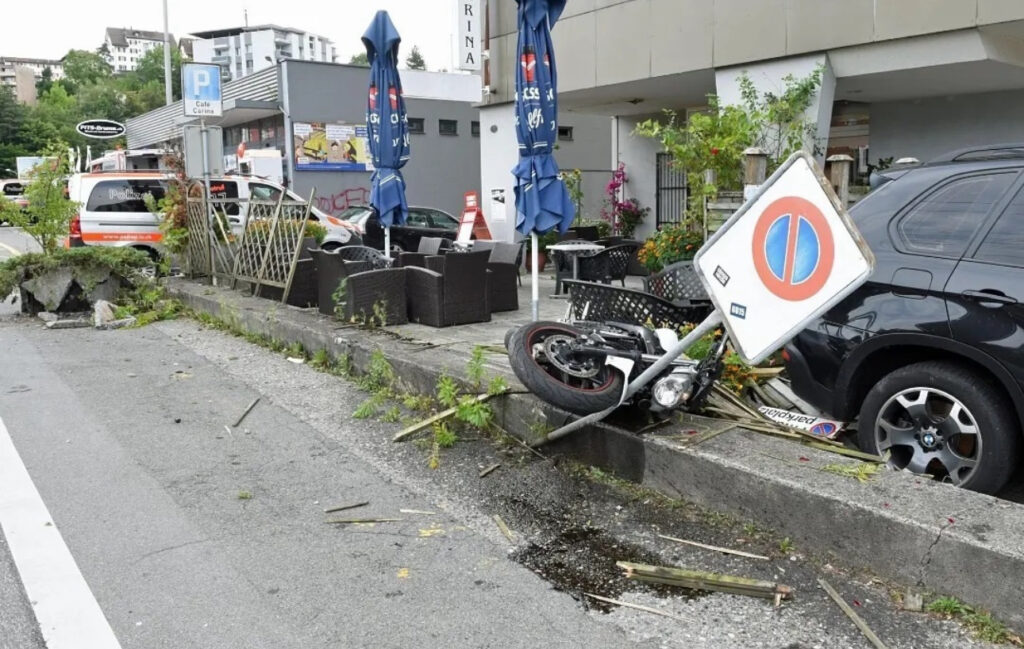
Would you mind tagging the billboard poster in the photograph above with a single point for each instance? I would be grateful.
(331, 147)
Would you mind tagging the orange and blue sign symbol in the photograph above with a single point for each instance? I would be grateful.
(823, 429)
(793, 249)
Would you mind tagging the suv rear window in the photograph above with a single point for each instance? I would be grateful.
(1004, 243)
(124, 195)
(944, 222)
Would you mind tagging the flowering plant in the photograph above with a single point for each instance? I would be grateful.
(631, 214)
(671, 244)
(610, 210)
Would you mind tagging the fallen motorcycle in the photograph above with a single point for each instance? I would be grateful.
(587, 367)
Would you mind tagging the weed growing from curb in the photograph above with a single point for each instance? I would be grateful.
(981, 624)
(245, 495)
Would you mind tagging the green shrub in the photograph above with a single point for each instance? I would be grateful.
(84, 263)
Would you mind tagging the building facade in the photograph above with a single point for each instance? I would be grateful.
(242, 51)
(123, 47)
(271, 108)
(901, 78)
(21, 75)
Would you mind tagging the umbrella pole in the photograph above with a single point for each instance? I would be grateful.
(387, 242)
(536, 276)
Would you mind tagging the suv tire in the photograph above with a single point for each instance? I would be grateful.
(945, 385)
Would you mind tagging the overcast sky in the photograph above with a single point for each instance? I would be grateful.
(49, 28)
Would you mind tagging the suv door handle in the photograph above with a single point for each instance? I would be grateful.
(990, 295)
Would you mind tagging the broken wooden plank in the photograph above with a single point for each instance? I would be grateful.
(739, 553)
(700, 438)
(491, 469)
(503, 527)
(416, 511)
(852, 614)
(697, 580)
(246, 413)
(430, 421)
(639, 607)
(352, 521)
(341, 508)
(848, 452)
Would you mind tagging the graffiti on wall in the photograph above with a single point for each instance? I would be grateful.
(338, 202)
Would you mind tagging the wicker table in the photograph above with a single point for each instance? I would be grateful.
(574, 250)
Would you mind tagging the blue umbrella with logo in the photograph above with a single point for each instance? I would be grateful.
(542, 200)
(387, 125)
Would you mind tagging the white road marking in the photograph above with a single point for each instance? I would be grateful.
(66, 610)
(11, 249)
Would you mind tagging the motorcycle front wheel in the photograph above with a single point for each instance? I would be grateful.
(541, 356)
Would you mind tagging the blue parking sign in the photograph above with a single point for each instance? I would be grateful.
(200, 90)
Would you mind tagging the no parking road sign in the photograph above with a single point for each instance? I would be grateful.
(787, 256)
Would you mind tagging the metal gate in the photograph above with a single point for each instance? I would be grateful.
(670, 191)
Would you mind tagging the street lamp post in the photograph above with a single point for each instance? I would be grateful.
(168, 91)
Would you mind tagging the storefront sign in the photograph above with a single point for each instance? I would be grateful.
(331, 147)
(104, 129)
(470, 36)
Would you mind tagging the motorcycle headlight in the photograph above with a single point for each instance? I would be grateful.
(668, 391)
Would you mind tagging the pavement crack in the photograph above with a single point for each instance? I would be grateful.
(927, 558)
(169, 548)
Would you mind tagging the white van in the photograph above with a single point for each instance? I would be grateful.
(112, 209)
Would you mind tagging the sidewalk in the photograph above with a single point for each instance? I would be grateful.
(896, 525)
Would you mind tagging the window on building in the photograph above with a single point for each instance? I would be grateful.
(944, 222)
(417, 125)
(474, 129)
(448, 127)
(565, 133)
(1004, 244)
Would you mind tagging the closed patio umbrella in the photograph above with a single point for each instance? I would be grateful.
(387, 125)
(542, 200)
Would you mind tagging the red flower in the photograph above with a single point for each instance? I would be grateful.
(714, 150)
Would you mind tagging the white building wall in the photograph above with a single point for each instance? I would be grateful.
(499, 153)
(640, 157)
(926, 128)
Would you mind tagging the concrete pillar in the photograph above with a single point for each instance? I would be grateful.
(840, 176)
(768, 77)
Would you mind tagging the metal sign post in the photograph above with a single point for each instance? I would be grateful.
(806, 256)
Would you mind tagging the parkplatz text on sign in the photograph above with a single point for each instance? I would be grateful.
(200, 90)
(787, 256)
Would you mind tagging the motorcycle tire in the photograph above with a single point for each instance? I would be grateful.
(606, 390)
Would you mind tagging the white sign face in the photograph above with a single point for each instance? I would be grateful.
(498, 214)
(200, 90)
(828, 428)
(469, 34)
(787, 256)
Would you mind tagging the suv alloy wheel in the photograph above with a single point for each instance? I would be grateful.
(943, 419)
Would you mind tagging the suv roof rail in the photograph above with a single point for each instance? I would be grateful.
(987, 152)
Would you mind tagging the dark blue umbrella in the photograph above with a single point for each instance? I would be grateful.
(387, 125)
(542, 200)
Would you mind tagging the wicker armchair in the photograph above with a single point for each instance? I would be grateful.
(678, 283)
(375, 293)
(427, 246)
(503, 278)
(375, 257)
(451, 290)
(608, 264)
(602, 303)
(331, 269)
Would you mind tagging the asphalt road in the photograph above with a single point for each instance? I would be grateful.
(188, 534)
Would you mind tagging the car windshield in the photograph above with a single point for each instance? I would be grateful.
(356, 215)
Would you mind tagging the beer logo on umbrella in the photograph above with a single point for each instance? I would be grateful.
(373, 97)
(393, 96)
(528, 62)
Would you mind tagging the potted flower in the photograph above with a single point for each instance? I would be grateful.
(669, 245)
(631, 215)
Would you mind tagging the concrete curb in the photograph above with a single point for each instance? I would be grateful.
(915, 531)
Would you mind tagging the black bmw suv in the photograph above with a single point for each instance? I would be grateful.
(928, 355)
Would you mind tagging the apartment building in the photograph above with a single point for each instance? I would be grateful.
(242, 51)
